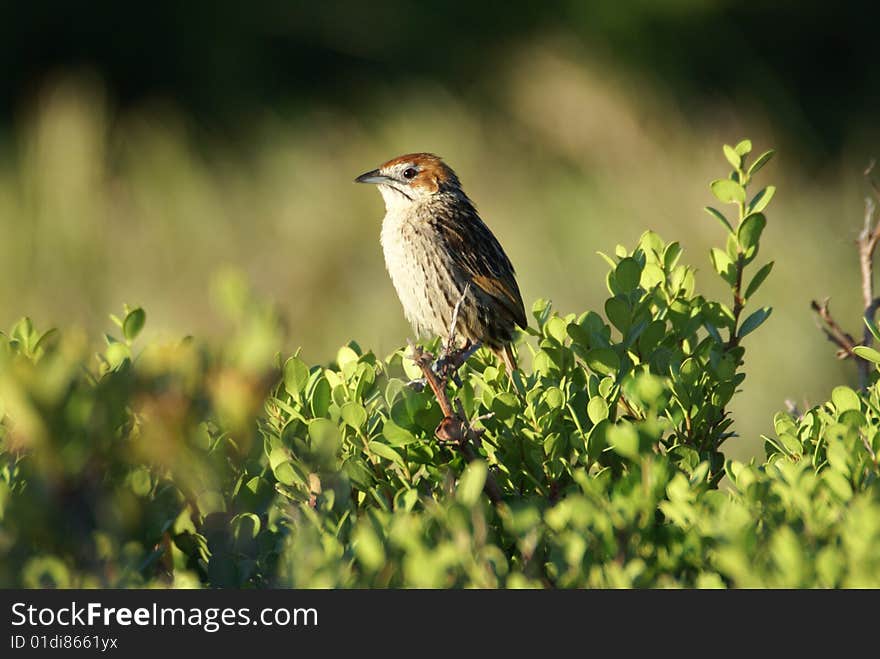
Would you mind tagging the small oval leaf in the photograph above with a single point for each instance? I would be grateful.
(754, 321)
(868, 354)
(133, 323)
(762, 160)
(727, 191)
(758, 279)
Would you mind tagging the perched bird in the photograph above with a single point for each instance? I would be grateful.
(439, 252)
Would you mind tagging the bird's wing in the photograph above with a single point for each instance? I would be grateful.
(479, 255)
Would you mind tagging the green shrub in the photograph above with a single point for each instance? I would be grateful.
(189, 464)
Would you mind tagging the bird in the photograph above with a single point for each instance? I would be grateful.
(439, 254)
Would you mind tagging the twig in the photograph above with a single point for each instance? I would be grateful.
(872, 183)
(738, 303)
(867, 242)
(453, 428)
(867, 245)
(833, 331)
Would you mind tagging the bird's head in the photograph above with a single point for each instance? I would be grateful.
(412, 179)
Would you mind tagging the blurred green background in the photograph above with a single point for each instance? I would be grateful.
(143, 150)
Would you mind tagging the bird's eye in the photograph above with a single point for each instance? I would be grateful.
(409, 172)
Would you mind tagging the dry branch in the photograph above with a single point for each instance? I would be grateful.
(454, 429)
(867, 245)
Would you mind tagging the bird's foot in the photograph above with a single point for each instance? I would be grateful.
(418, 384)
(453, 358)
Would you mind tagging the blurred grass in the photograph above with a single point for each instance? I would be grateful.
(98, 208)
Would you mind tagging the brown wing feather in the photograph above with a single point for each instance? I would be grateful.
(480, 256)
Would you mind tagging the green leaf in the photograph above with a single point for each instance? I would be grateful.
(651, 336)
(385, 451)
(603, 361)
(723, 265)
(671, 255)
(627, 274)
(732, 156)
(133, 323)
(754, 321)
(48, 337)
(410, 368)
(690, 371)
(320, 402)
(749, 233)
(619, 313)
(556, 328)
(285, 474)
(367, 546)
(353, 414)
(867, 353)
(762, 160)
(727, 191)
(322, 432)
(717, 214)
(838, 484)
(872, 328)
(296, 375)
(397, 436)
(743, 148)
(554, 398)
(607, 259)
(759, 201)
(624, 439)
(844, 399)
(471, 483)
(141, 482)
(277, 456)
(597, 409)
(541, 311)
(345, 356)
(117, 353)
(505, 405)
(758, 279)
(246, 525)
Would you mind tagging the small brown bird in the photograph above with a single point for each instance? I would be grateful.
(439, 252)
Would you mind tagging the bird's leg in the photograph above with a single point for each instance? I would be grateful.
(452, 358)
(447, 366)
(418, 384)
(449, 343)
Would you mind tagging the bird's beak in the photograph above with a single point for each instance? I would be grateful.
(372, 177)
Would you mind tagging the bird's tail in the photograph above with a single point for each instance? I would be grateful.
(505, 353)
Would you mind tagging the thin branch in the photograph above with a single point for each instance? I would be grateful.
(454, 429)
(867, 245)
(738, 303)
(833, 331)
(872, 183)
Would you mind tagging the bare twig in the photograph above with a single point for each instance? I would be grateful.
(872, 183)
(867, 246)
(834, 332)
(454, 428)
(867, 243)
